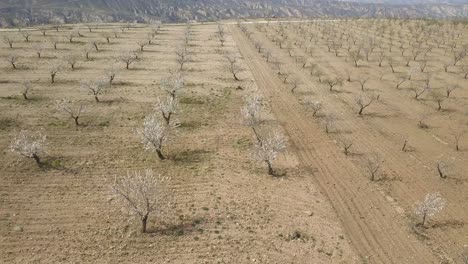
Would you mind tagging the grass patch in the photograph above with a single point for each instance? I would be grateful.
(192, 100)
(190, 125)
(6, 122)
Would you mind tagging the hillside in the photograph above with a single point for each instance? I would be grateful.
(72, 11)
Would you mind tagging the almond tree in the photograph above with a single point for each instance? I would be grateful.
(111, 72)
(174, 84)
(442, 168)
(330, 123)
(70, 108)
(251, 113)
(316, 106)
(39, 48)
(53, 67)
(457, 135)
(233, 66)
(432, 204)
(167, 107)
(182, 56)
(142, 44)
(154, 134)
(9, 41)
(372, 165)
(439, 98)
(363, 102)
(347, 144)
(419, 91)
(72, 60)
(142, 193)
(96, 87)
(267, 149)
(127, 57)
(54, 42)
(363, 81)
(333, 82)
(29, 145)
(26, 88)
(450, 89)
(12, 59)
(26, 35)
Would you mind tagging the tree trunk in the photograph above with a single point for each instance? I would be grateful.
(37, 159)
(76, 120)
(235, 77)
(13, 65)
(128, 65)
(52, 80)
(96, 98)
(423, 219)
(25, 96)
(144, 221)
(270, 168)
(160, 155)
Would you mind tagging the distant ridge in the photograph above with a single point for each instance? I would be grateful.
(14, 12)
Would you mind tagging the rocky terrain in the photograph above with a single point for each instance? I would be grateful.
(17, 12)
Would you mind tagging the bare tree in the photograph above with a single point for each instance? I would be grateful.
(267, 149)
(142, 44)
(330, 123)
(87, 49)
(167, 107)
(316, 106)
(54, 42)
(251, 113)
(26, 35)
(9, 41)
(43, 29)
(70, 108)
(142, 193)
(442, 168)
(438, 98)
(450, 89)
(12, 59)
(154, 134)
(457, 136)
(363, 81)
(53, 68)
(39, 48)
(72, 60)
(355, 56)
(71, 35)
(373, 164)
(432, 204)
(111, 72)
(405, 145)
(267, 53)
(419, 91)
(96, 87)
(127, 57)
(364, 101)
(182, 56)
(29, 145)
(333, 82)
(346, 144)
(458, 56)
(26, 87)
(233, 66)
(422, 118)
(402, 79)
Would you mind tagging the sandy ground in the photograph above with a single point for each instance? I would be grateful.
(378, 216)
(226, 208)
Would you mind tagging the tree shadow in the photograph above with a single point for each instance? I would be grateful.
(448, 224)
(186, 227)
(190, 156)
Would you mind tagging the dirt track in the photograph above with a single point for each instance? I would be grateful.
(377, 231)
